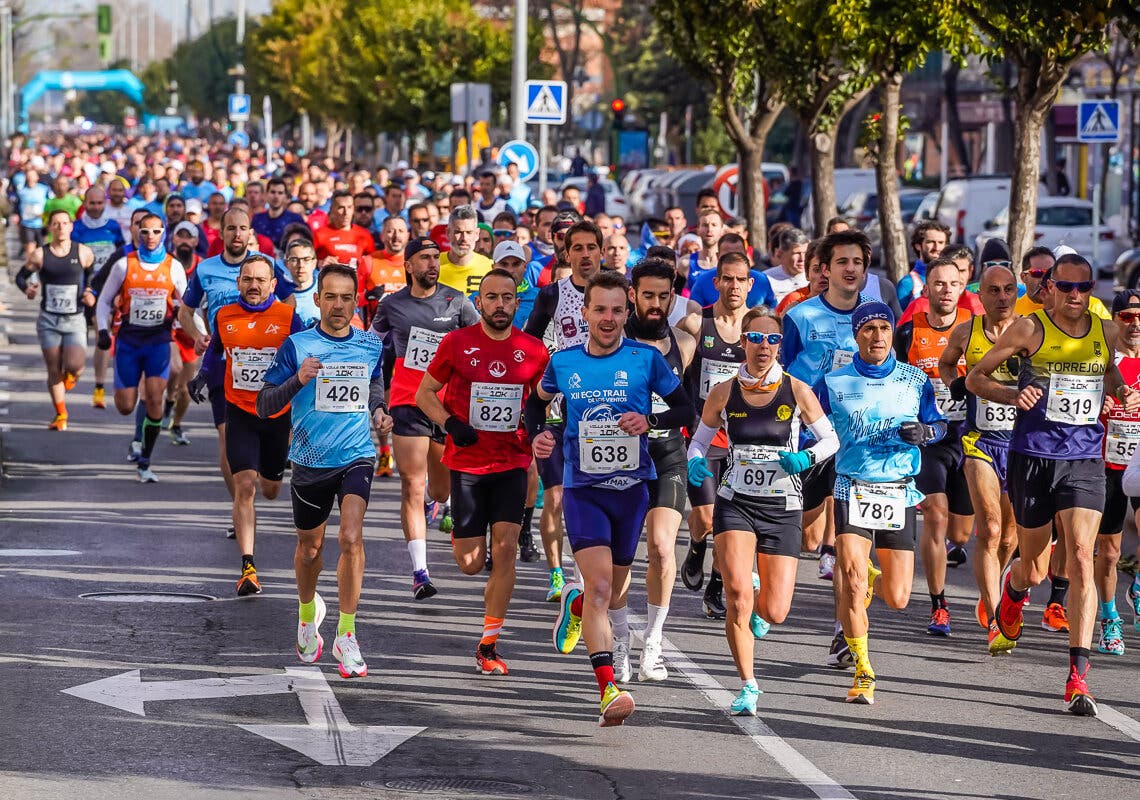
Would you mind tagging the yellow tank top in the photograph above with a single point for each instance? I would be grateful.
(1062, 354)
(978, 345)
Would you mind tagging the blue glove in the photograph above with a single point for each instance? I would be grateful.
(794, 463)
(699, 470)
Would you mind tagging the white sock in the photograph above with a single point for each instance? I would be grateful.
(838, 628)
(655, 622)
(752, 682)
(417, 549)
(619, 621)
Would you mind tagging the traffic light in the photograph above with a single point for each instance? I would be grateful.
(103, 19)
(617, 106)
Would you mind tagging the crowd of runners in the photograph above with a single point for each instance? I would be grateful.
(505, 354)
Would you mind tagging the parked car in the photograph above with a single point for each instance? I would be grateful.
(615, 200)
(848, 181)
(966, 203)
(1126, 270)
(916, 205)
(1060, 220)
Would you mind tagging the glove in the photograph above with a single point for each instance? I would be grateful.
(699, 470)
(197, 388)
(915, 433)
(374, 294)
(103, 340)
(794, 463)
(460, 432)
(958, 388)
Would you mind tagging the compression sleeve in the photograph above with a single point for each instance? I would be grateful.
(826, 441)
(534, 414)
(376, 396)
(273, 399)
(543, 313)
(701, 441)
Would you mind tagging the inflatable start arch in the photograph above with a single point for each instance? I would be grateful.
(113, 80)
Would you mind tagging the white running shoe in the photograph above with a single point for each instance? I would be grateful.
(310, 645)
(146, 475)
(826, 566)
(652, 664)
(346, 650)
(622, 671)
(134, 452)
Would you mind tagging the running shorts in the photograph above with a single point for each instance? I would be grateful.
(613, 518)
(133, 360)
(1116, 503)
(667, 490)
(1040, 487)
(256, 443)
(779, 532)
(902, 539)
(479, 501)
(410, 421)
(988, 451)
(942, 473)
(705, 494)
(313, 490)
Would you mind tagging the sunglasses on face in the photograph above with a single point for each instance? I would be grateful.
(1128, 317)
(150, 231)
(360, 209)
(1081, 286)
(504, 233)
(1036, 273)
(759, 338)
(996, 263)
(420, 220)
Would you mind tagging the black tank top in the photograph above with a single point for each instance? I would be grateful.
(774, 425)
(675, 362)
(715, 361)
(62, 282)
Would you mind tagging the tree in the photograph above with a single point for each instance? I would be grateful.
(729, 44)
(201, 67)
(1042, 39)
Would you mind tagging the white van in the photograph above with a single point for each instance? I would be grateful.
(848, 181)
(966, 204)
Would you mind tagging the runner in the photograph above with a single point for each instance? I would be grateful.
(143, 287)
(332, 375)
(342, 242)
(183, 358)
(250, 332)
(1056, 473)
(63, 269)
(927, 242)
(608, 385)
(461, 268)
(413, 322)
(487, 449)
(883, 411)
(789, 257)
(757, 520)
(652, 294)
(301, 261)
(985, 443)
(31, 199)
(947, 514)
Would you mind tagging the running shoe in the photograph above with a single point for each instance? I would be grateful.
(528, 551)
(422, 587)
(1055, 619)
(568, 625)
(998, 644)
(756, 623)
(714, 598)
(383, 465)
(146, 475)
(70, 379)
(1111, 636)
(346, 650)
(980, 614)
(446, 523)
(557, 581)
(873, 574)
(310, 645)
(59, 423)
(955, 555)
(231, 532)
(134, 451)
(487, 661)
(99, 398)
(939, 622)
(1077, 695)
(862, 691)
(616, 705)
(745, 703)
(693, 567)
(538, 500)
(1009, 614)
(1001, 582)
(827, 566)
(432, 512)
(168, 416)
(1134, 599)
(248, 583)
(177, 437)
(652, 664)
(622, 670)
(839, 654)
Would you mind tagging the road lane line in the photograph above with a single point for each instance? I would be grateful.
(1124, 724)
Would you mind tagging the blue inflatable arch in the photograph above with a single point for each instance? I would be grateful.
(114, 80)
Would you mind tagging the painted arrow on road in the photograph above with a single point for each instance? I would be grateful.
(128, 691)
(328, 738)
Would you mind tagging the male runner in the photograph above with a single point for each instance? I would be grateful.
(461, 268)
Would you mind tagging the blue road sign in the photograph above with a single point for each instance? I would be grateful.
(239, 139)
(522, 153)
(239, 107)
(545, 102)
(1099, 121)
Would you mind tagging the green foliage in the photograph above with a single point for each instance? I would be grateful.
(871, 133)
(711, 144)
(201, 68)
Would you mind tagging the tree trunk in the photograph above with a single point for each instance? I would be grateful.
(823, 199)
(1026, 175)
(895, 258)
(750, 192)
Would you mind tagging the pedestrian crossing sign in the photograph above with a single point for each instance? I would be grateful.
(545, 103)
(1099, 121)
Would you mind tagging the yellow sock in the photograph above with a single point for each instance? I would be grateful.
(346, 624)
(858, 645)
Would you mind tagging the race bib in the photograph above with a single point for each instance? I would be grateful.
(1120, 441)
(995, 417)
(495, 406)
(877, 506)
(248, 366)
(148, 310)
(603, 448)
(841, 358)
(342, 388)
(422, 346)
(756, 472)
(658, 406)
(59, 298)
(102, 251)
(714, 372)
(1074, 399)
(953, 410)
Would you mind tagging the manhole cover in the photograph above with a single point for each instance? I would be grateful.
(147, 597)
(450, 785)
(22, 552)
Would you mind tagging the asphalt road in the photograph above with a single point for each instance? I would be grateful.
(949, 721)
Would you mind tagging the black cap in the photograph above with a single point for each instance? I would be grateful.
(1129, 299)
(419, 243)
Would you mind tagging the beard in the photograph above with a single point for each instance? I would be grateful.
(184, 253)
(498, 322)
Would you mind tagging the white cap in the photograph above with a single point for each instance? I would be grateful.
(108, 167)
(193, 206)
(1064, 250)
(401, 164)
(185, 226)
(507, 249)
(410, 173)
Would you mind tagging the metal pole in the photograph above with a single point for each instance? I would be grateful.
(518, 73)
(5, 75)
(469, 122)
(150, 33)
(134, 33)
(1096, 227)
(239, 85)
(10, 63)
(543, 146)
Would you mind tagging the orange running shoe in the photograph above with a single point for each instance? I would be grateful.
(99, 398)
(1077, 695)
(487, 661)
(59, 423)
(1055, 619)
(69, 381)
(384, 465)
(248, 583)
(980, 614)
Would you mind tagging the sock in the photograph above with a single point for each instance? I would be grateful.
(384, 448)
(1079, 659)
(98, 385)
(752, 682)
(140, 415)
(827, 549)
(576, 606)
(714, 578)
(61, 409)
(151, 429)
(346, 624)
(1059, 591)
(619, 621)
(417, 549)
(1108, 610)
(655, 622)
(603, 664)
(308, 611)
(527, 521)
(858, 645)
(838, 628)
(492, 627)
(938, 601)
(246, 561)
(1015, 595)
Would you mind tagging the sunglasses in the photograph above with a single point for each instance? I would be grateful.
(996, 263)
(1128, 317)
(150, 231)
(358, 209)
(503, 233)
(421, 220)
(1080, 286)
(759, 338)
(1037, 273)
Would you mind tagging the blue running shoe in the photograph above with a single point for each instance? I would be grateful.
(758, 624)
(745, 703)
(1134, 599)
(422, 587)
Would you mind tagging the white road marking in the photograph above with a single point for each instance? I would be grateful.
(1124, 724)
